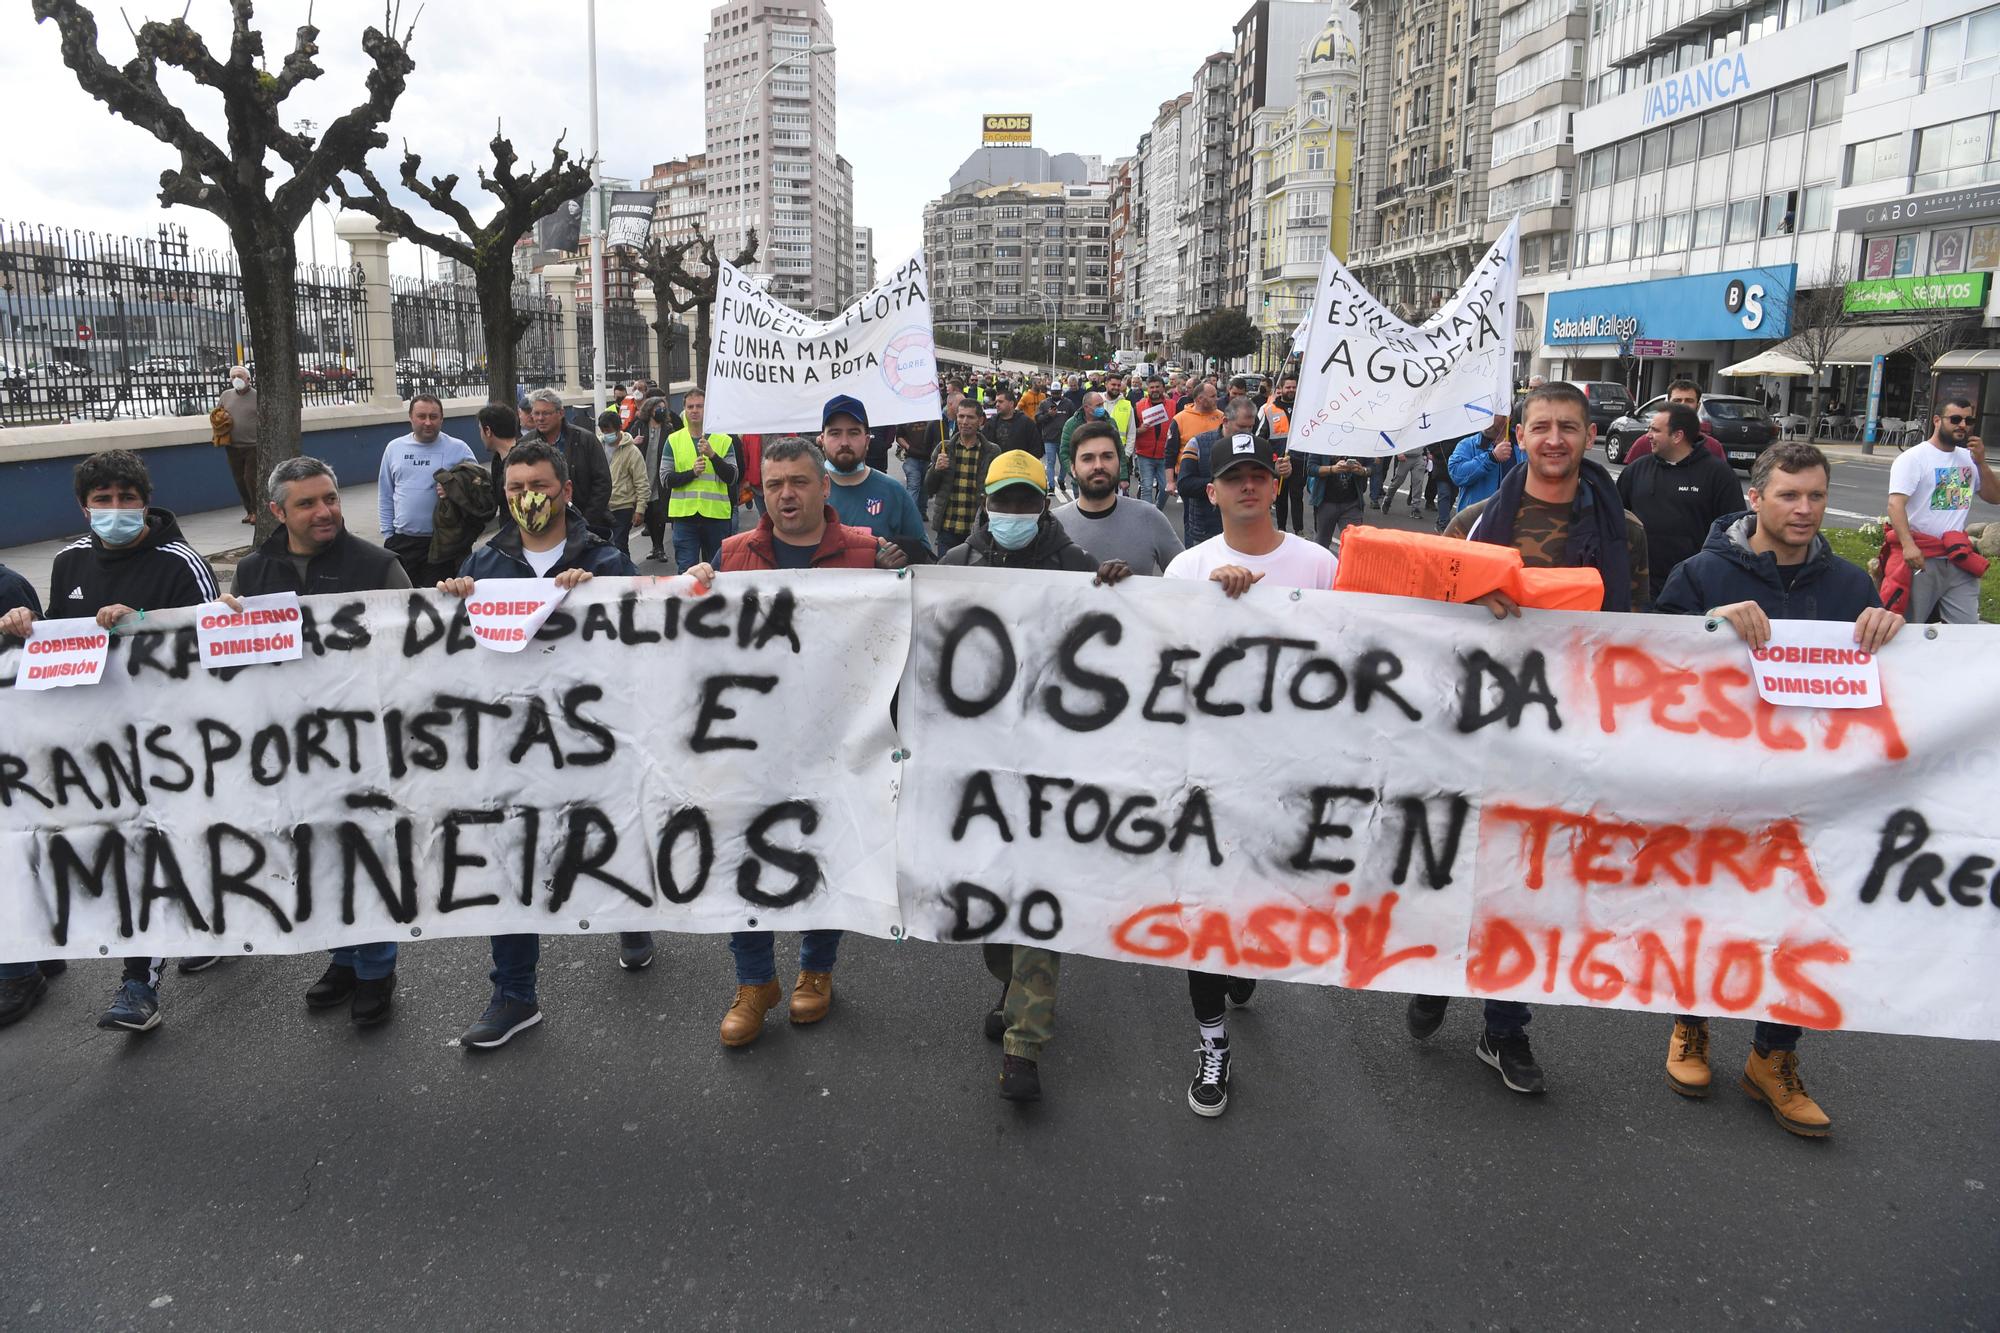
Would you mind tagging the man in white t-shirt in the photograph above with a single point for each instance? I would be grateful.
(1930, 498)
(1250, 549)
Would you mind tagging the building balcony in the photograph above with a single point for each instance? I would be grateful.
(1388, 194)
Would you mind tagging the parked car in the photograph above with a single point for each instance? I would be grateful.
(1742, 426)
(333, 372)
(161, 366)
(58, 370)
(1608, 400)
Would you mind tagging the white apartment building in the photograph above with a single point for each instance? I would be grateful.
(771, 162)
(1167, 299)
(1728, 162)
(861, 273)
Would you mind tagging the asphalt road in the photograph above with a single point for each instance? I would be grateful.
(252, 1166)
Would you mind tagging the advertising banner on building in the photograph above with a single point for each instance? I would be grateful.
(1007, 129)
(1738, 304)
(1371, 384)
(772, 369)
(631, 214)
(1953, 291)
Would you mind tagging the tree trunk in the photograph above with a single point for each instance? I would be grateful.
(1812, 406)
(495, 284)
(699, 352)
(269, 260)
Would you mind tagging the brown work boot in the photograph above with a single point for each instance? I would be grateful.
(812, 997)
(1687, 1059)
(744, 1022)
(1774, 1080)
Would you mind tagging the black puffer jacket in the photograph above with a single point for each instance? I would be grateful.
(1050, 549)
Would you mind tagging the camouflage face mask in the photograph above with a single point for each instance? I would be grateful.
(533, 510)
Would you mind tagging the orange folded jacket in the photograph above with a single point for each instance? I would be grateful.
(1443, 569)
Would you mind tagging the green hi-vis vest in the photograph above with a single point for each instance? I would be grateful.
(707, 496)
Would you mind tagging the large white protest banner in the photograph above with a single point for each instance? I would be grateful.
(1371, 384)
(652, 760)
(772, 369)
(1385, 793)
(1336, 788)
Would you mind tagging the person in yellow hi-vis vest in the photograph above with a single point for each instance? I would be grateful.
(698, 475)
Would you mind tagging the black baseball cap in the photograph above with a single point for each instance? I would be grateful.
(843, 405)
(1239, 448)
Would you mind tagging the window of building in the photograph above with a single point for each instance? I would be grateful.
(1829, 94)
(1716, 132)
(1961, 152)
(1875, 160)
(1600, 167)
(1674, 233)
(1781, 213)
(1628, 159)
(1646, 239)
(1788, 111)
(1882, 62)
(1708, 226)
(1531, 255)
(1753, 121)
(1963, 49)
(1653, 151)
(1817, 214)
(1316, 158)
(1682, 140)
(1621, 244)
(1743, 220)
(1596, 245)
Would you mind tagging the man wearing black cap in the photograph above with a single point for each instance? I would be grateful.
(1011, 429)
(1249, 550)
(862, 496)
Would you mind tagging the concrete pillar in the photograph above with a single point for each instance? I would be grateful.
(560, 279)
(370, 246)
(648, 302)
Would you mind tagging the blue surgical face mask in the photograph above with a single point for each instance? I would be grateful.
(839, 471)
(609, 437)
(116, 527)
(1099, 412)
(1012, 531)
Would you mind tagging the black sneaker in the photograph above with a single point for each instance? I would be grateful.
(1425, 1015)
(137, 1009)
(1240, 989)
(635, 949)
(1511, 1056)
(20, 994)
(502, 1019)
(53, 967)
(335, 986)
(996, 1017)
(1209, 1093)
(190, 966)
(372, 1001)
(656, 556)
(1020, 1079)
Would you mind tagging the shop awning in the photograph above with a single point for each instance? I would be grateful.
(1858, 346)
(1969, 358)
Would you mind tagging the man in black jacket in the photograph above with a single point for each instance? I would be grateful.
(1009, 429)
(1017, 531)
(313, 552)
(1678, 490)
(589, 468)
(134, 560)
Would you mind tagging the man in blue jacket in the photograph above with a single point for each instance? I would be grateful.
(1479, 461)
(548, 539)
(1771, 563)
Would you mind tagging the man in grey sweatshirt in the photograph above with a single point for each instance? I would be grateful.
(1099, 521)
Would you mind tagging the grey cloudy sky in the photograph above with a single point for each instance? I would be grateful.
(913, 81)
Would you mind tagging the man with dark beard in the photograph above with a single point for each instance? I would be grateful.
(1100, 522)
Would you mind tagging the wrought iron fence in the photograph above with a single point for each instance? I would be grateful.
(94, 327)
(441, 343)
(625, 335)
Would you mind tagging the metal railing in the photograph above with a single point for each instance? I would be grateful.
(96, 328)
(441, 343)
(625, 335)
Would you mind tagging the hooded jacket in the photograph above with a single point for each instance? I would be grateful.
(1050, 548)
(1474, 470)
(348, 564)
(840, 547)
(159, 570)
(583, 549)
(1726, 570)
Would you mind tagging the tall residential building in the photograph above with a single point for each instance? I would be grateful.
(1303, 183)
(771, 160)
(680, 198)
(1204, 198)
(1268, 37)
(1727, 165)
(1420, 194)
(1121, 235)
(1167, 298)
(1130, 320)
(843, 234)
(862, 260)
(1005, 256)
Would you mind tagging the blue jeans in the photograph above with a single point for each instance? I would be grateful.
(1506, 1018)
(756, 962)
(514, 959)
(914, 469)
(1767, 1037)
(15, 971)
(698, 539)
(1152, 480)
(1052, 460)
(371, 962)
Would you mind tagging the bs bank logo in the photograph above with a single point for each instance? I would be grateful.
(909, 364)
(1746, 302)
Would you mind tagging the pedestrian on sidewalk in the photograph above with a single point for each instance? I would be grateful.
(628, 480)
(233, 424)
(1930, 567)
(133, 560)
(407, 490)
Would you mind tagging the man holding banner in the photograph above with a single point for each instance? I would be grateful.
(698, 476)
(548, 539)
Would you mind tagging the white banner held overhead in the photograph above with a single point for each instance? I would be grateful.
(771, 369)
(1370, 384)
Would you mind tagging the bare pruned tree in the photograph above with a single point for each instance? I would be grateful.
(682, 287)
(486, 249)
(1937, 326)
(232, 180)
(1816, 318)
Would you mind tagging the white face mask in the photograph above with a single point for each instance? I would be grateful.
(239, 384)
